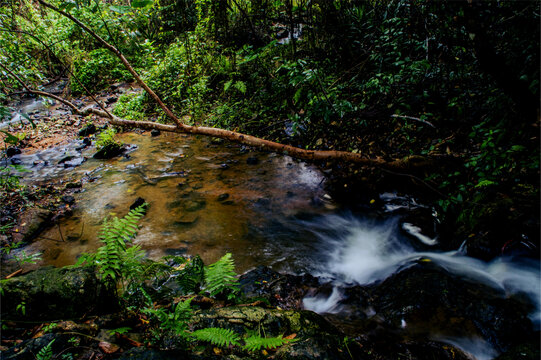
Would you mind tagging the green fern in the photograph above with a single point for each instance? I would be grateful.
(176, 321)
(115, 260)
(221, 277)
(190, 278)
(255, 342)
(217, 336)
(46, 352)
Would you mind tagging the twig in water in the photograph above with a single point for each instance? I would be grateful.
(60, 232)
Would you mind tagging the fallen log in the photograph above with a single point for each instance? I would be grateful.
(413, 162)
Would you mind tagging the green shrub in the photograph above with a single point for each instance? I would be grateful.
(95, 69)
(130, 107)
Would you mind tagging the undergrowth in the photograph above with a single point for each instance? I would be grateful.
(121, 265)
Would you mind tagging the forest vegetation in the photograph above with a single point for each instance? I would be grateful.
(437, 99)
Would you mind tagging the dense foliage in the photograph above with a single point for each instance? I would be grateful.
(383, 78)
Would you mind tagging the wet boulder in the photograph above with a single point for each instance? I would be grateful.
(138, 202)
(50, 293)
(426, 296)
(109, 151)
(284, 290)
(12, 150)
(87, 130)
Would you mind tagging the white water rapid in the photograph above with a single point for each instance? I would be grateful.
(364, 251)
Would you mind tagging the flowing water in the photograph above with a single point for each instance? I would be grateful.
(204, 199)
(210, 198)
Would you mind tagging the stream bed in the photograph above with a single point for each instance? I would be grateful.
(210, 197)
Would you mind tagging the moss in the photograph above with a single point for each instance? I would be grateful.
(51, 293)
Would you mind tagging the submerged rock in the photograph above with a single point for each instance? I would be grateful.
(252, 160)
(32, 223)
(51, 294)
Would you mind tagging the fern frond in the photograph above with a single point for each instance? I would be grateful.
(221, 276)
(115, 260)
(183, 311)
(217, 336)
(255, 342)
(46, 352)
(191, 276)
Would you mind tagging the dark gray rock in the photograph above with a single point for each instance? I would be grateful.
(111, 99)
(74, 162)
(155, 132)
(252, 160)
(12, 150)
(51, 294)
(109, 151)
(68, 199)
(73, 185)
(138, 202)
(223, 197)
(87, 130)
(428, 294)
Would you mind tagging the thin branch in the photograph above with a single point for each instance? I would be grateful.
(65, 67)
(413, 118)
(128, 66)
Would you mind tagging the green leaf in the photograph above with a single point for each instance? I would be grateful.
(255, 343)
(227, 85)
(24, 115)
(10, 139)
(68, 6)
(139, 4)
(217, 336)
(485, 183)
(121, 9)
(240, 86)
(517, 148)
(221, 276)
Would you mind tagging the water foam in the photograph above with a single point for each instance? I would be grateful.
(365, 251)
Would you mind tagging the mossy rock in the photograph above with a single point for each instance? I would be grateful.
(50, 293)
(109, 151)
(316, 338)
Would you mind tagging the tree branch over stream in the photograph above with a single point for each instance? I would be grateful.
(407, 164)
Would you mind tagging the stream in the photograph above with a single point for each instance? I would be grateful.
(209, 197)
